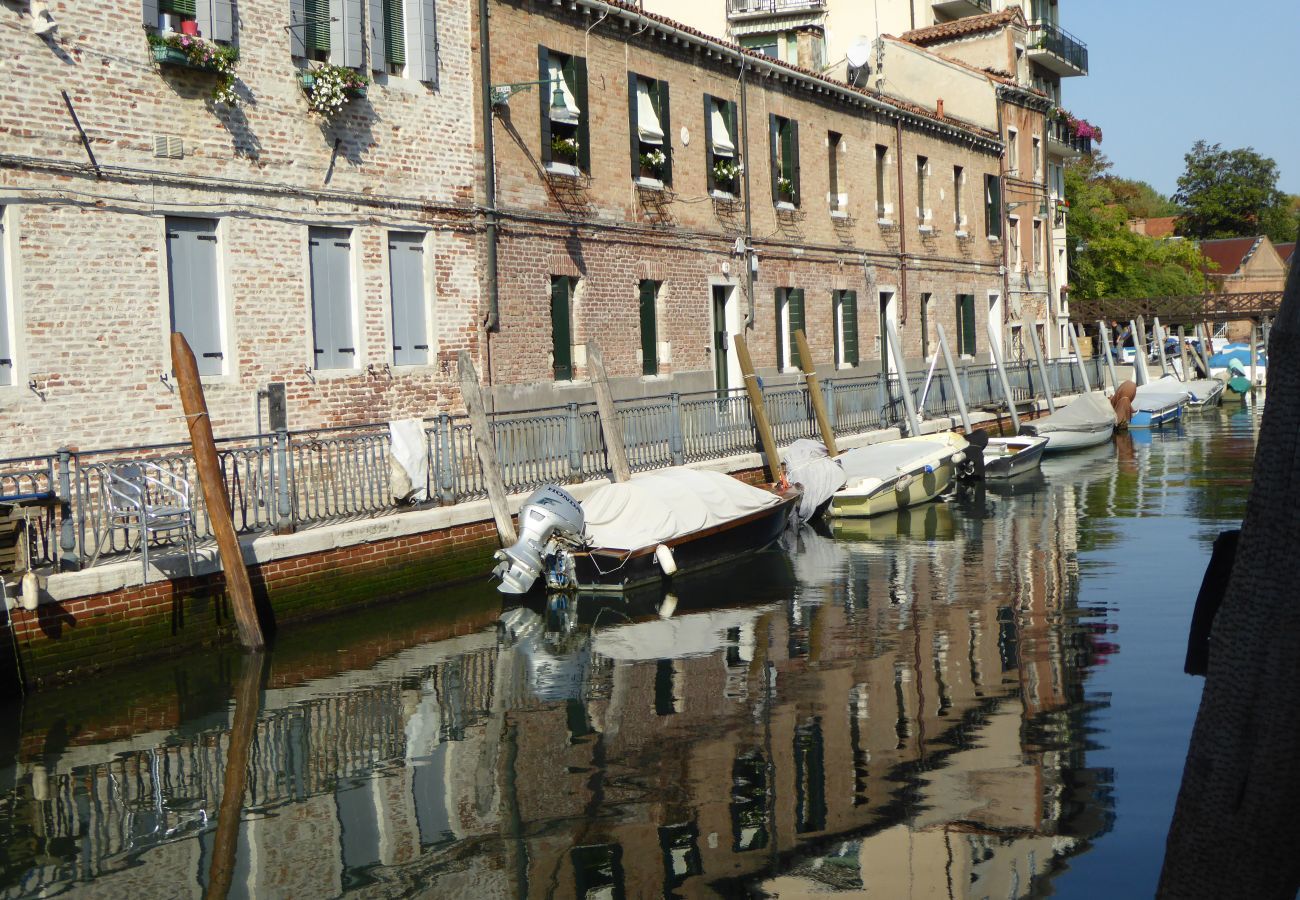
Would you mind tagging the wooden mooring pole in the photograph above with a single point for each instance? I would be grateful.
(815, 393)
(243, 727)
(1182, 352)
(756, 404)
(485, 447)
(609, 424)
(213, 485)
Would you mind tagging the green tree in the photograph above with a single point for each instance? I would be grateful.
(1232, 193)
(1109, 260)
(1140, 199)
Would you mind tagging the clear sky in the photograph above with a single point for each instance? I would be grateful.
(1162, 75)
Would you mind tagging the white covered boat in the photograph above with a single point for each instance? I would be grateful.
(1202, 393)
(1086, 422)
(1007, 457)
(893, 475)
(1158, 403)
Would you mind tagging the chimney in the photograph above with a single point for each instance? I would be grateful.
(939, 108)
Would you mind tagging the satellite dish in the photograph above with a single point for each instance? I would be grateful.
(858, 56)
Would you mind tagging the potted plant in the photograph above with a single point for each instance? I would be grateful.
(652, 163)
(189, 52)
(564, 150)
(329, 88)
(785, 188)
(725, 174)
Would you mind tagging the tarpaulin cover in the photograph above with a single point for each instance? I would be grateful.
(409, 460)
(1088, 412)
(808, 465)
(1158, 395)
(670, 503)
(887, 460)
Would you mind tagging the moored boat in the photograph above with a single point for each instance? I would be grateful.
(1086, 422)
(1158, 404)
(1007, 457)
(894, 475)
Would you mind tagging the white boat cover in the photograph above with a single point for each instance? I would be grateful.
(1160, 394)
(808, 464)
(886, 460)
(670, 503)
(408, 460)
(694, 634)
(1201, 389)
(1088, 412)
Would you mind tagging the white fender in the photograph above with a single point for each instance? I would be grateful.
(664, 556)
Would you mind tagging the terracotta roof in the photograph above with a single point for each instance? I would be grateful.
(1286, 251)
(947, 31)
(1160, 226)
(1230, 253)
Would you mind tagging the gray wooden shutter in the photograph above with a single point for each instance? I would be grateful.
(192, 280)
(203, 18)
(773, 156)
(422, 52)
(346, 44)
(794, 162)
(150, 13)
(216, 19)
(634, 132)
(544, 96)
(331, 298)
(849, 320)
(406, 274)
(378, 54)
(649, 332)
(297, 27)
(579, 66)
(710, 182)
(794, 298)
(561, 333)
(782, 299)
(666, 123)
(6, 348)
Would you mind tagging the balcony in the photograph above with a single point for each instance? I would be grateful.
(956, 9)
(743, 9)
(1056, 49)
(1062, 142)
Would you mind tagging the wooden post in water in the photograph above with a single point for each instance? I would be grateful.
(1002, 377)
(609, 425)
(952, 374)
(815, 393)
(1203, 344)
(1254, 338)
(1109, 349)
(248, 705)
(1078, 357)
(486, 448)
(1042, 369)
(759, 409)
(214, 493)
(1140, 351)
(1182, 352)
(1158, 340)
(900, 363)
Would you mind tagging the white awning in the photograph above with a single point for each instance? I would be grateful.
(569, 112)
(647, 121)
(723, 145)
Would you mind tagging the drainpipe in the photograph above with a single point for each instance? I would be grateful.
(902, 234)
(1005, 231)
(493, 321)
(749, 227)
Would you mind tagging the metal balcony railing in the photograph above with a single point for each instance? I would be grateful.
(759, 7)
(1058, 41)
(1060, 132)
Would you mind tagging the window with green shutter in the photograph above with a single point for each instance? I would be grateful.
(846, 318)
(649, 329)
(992, 206)
(395, 33)
(178, 7)
(796, 318)
(966, 324)
(789, 319)
(562, 327)
(316, 31)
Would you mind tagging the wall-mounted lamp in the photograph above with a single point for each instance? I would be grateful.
(501, 93)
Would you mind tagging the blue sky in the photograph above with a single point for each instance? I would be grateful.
(1162, 75)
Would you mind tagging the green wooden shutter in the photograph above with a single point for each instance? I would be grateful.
(178, 7)
(794, 299)
(578, 67)
(649, 335)
(634, 132)
(710, 182)
(992, 206)
(544, 96)
(794, 161)
(666, 123)
(394, 32)
(849, 323)
(773, 156)
(966, 312)
(781, 300)
(561, 332)
(317, 29)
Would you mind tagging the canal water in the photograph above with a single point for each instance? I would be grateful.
(979, 698)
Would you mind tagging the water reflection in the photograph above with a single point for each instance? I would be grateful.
(897, 707)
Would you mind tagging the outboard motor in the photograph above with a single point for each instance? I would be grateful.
(973, 468)
(548, 510)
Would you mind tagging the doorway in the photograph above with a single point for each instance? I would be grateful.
(726, 322)
(888, 316)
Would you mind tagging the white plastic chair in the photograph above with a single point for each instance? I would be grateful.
(153, 500)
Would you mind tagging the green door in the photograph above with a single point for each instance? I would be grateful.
(720, 340)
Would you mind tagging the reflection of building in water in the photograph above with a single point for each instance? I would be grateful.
(909, 725)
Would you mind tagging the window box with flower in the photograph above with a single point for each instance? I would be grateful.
(330, 88)
(187, 51)
(726, 176)
(652, 163)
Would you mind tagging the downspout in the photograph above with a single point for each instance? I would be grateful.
(1049, 228)
(749, 226)
(493, 321)
(1003, 228)
(902, 234)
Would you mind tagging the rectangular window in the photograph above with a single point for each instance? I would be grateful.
(925, 326)
(171, 13)
(315, 29)
(393, 15)
(331, 298)
(192, 286)
(650, 128)
(882, 201)
(837, 200)
(1038, 159)
(406, 279)
(1013, 242)
(6, 341)
(966, 324)
(783, 159)
(721, 160)
(765, 44)
(789, 319)
(404, 38)
(562, 326)
(845, 312)
(1038, 245)
(1013, 152)
(959, 198)
(566, 137)
(992, 206)
(922, 198)
(649, 299)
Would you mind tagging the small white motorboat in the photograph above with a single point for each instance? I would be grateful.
(893, 475)
(1158, 403)
(1086, 422)
(1007, 457)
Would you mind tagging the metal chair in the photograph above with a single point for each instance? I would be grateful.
(153, 500)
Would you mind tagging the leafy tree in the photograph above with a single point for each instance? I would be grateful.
(1140, 199)
(1109, 260)
(1232, 193)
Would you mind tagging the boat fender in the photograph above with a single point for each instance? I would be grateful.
(929, 469)
(903, 483)
(669, 606)
(664, 556)
(958, 457)
(31, 593)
